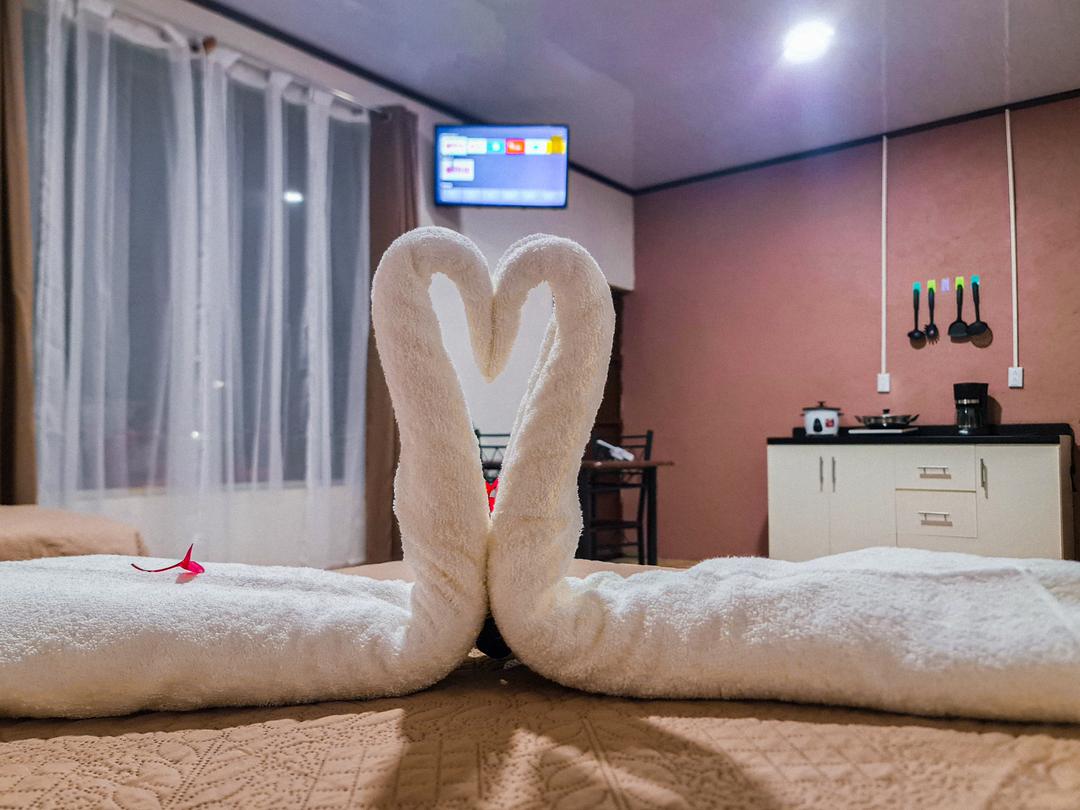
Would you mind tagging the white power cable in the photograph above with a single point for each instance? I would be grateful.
(1012, 239)
(884, 242)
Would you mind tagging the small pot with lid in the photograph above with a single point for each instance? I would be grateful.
(821, 420)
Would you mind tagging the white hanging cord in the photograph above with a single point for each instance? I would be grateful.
(1012, 239)
(884, 242)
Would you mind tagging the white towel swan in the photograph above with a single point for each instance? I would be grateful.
(895, 629)
(90, 636)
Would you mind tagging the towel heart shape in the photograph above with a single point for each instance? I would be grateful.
(436, 431)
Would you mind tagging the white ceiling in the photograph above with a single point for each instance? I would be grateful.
(657, 90)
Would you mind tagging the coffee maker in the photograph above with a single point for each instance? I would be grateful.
(972, 402)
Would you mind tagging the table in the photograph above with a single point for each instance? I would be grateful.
(589, 468)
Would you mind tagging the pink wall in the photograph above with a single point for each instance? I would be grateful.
(759, 293)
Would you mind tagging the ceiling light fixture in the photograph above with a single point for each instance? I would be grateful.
(293, 197)
(807, 41)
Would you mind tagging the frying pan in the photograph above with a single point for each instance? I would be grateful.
(886, 419)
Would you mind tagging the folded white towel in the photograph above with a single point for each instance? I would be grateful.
(898, 629)
(895, 629)
(90, 636)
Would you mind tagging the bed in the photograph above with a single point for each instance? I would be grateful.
(495, 734)
(30, 532)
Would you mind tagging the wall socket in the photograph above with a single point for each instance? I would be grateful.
(1016, 376)
(884, 383)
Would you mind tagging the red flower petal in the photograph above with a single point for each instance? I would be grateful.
(187, 564)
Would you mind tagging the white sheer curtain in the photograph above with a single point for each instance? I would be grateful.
(202, 284)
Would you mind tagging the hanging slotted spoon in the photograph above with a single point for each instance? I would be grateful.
(977, 326)
(958, 329)
(931, 328)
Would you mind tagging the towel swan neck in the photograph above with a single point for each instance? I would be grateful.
(537, 518)
(439, 496)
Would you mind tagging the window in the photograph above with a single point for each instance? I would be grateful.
(202, 278)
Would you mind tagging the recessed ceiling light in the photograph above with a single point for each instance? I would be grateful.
(807, 41)
(293, 197)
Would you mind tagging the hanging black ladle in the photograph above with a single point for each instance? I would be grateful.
(916, 335)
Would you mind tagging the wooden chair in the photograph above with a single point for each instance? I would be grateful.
(609, 524)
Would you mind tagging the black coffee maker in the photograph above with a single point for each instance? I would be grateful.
(972, 401)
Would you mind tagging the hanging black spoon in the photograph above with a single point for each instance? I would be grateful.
(958, 329)
(977, 326)
(916, 335)
(931, 328)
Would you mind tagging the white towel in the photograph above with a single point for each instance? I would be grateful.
(88, 636)
(903, 630)
(895, 629)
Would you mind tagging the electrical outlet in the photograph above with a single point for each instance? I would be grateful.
(884, 383)
(1016, 377)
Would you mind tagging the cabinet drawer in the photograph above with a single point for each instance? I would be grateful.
(928, 466)
(934, 542)
(936, 514)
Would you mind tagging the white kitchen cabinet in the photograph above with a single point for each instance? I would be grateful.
(798, 503)
(828, 498)
(861, 511)
(1023, 500)
(996, 499)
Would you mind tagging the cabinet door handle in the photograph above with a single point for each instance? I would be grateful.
(984, 478)
(821, 473)
(944, 516)
(926, 468)
(834, 473)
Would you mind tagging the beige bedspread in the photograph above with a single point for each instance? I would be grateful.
(501, 736)
(493, 737)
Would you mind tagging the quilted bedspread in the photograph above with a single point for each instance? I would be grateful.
(501, 736)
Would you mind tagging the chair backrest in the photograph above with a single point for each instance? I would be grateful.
(492, 449)
(640, 444)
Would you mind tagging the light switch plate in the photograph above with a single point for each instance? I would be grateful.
(1016, 376)
(884, 383)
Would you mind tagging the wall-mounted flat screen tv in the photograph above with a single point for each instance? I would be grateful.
(508, 166)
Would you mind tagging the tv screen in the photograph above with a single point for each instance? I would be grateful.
(510, 166)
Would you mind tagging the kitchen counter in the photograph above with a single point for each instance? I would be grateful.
(1005, 493)
(939, 434)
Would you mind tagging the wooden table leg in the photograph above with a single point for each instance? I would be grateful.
(650, 516)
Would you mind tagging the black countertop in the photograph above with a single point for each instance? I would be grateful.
(939, 434)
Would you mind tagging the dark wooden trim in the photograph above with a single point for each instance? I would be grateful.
(836, 147)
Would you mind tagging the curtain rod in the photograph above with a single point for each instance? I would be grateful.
(206, 44)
